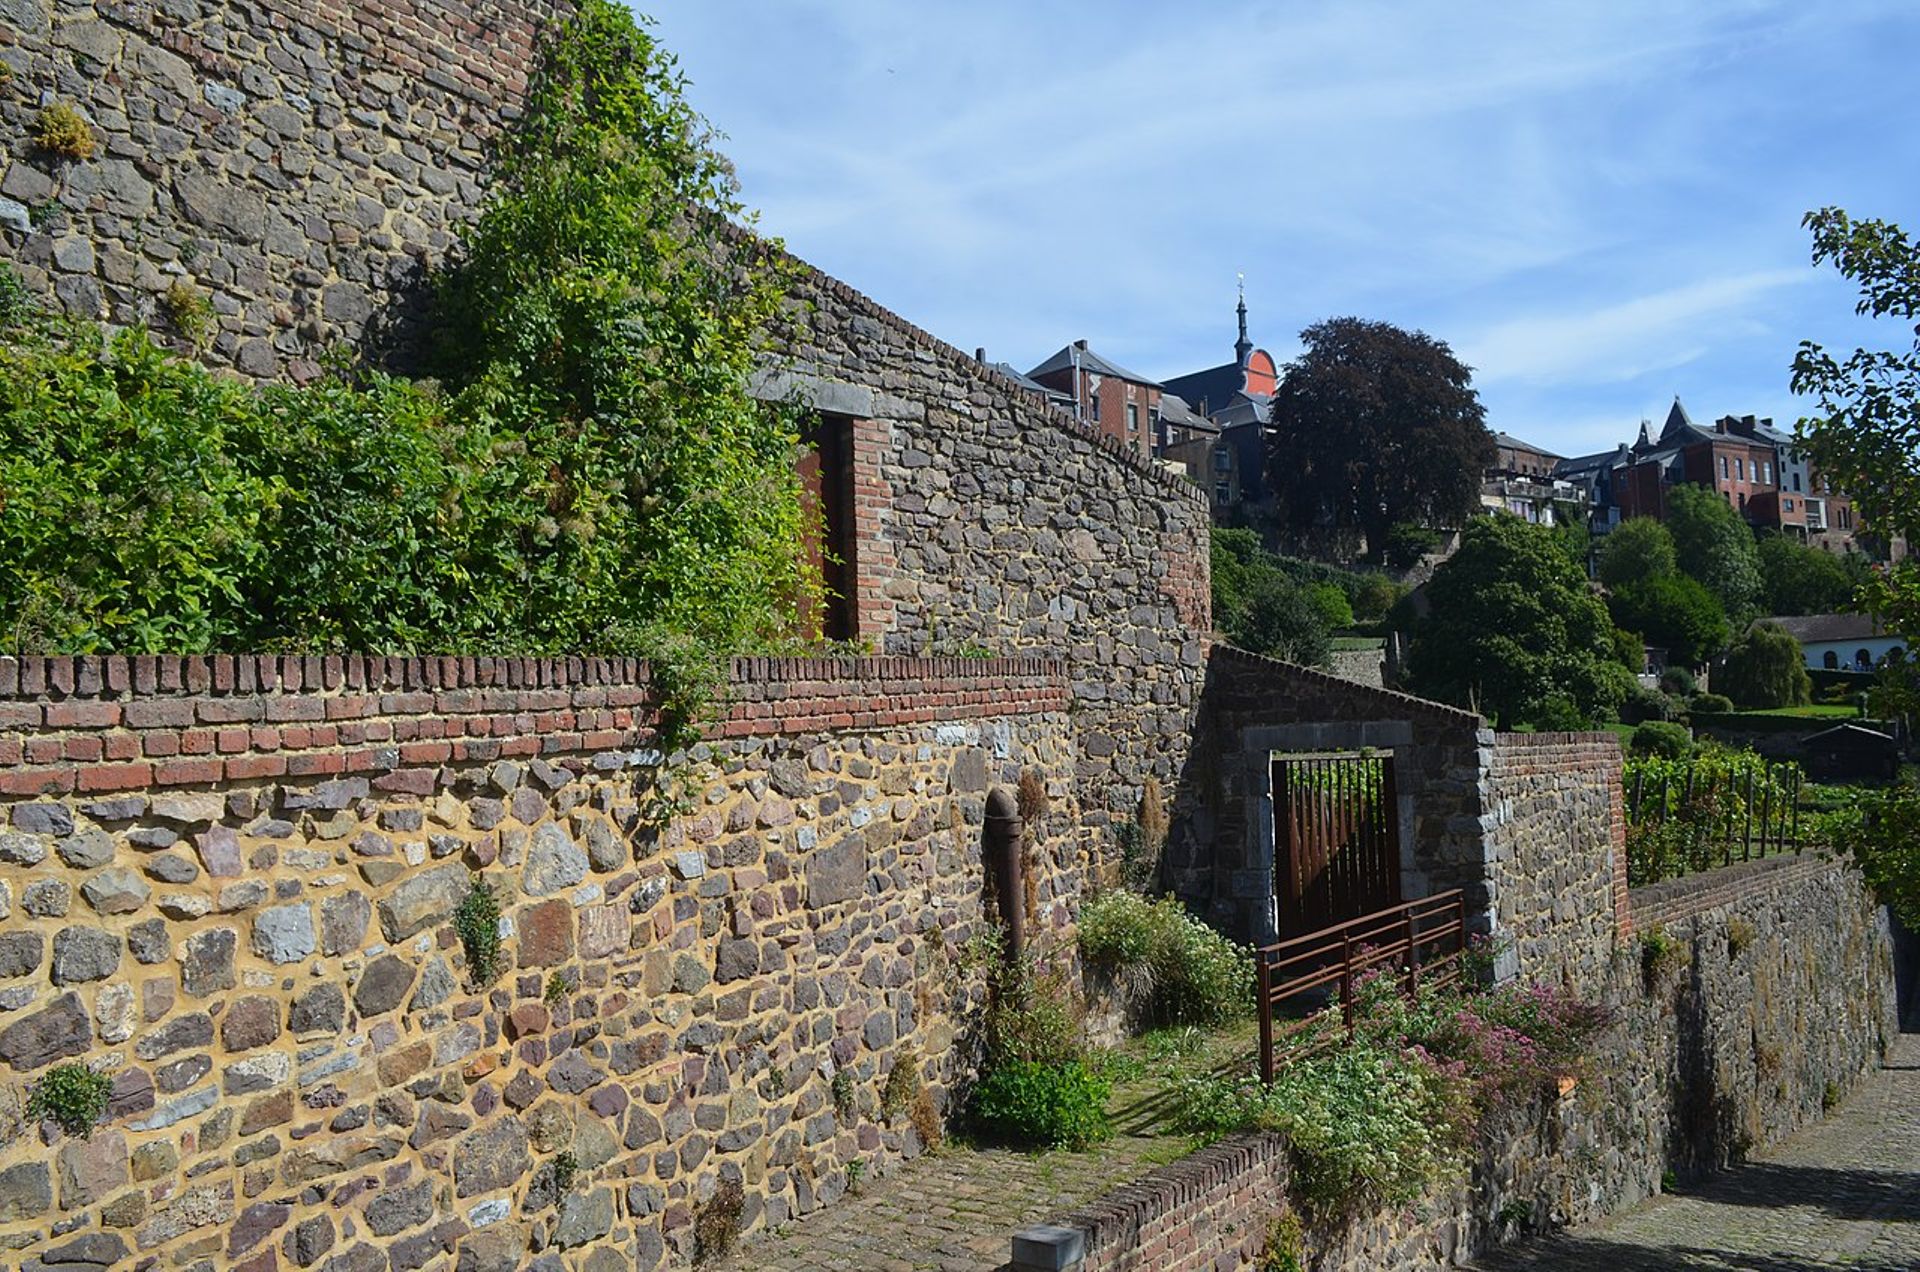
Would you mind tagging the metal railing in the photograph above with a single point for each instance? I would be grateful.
(1424, 942)
(1682, 821)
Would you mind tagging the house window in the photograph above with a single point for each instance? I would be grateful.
(1133, 418)
(1222, 492)
(1743, 499)
(1796, 483)
(1222, 460)
(1830, 660)
(1768, 477)
(1093, 405)
(1723, 468)
(1740, 469)
(1789, 505)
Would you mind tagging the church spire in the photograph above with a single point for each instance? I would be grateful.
(1243, 347)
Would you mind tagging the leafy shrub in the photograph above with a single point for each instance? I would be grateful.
(1053, 1104)
(1645, 704)
(71, 1096)
(60, 129)
(1658, 737)
(1711, 703)
(1677, 681)
(589, 475)
(476, 921)
(1374, 595)
(1176, 969)
(1407, 543)
(1880, 830)
(1365, 1123)
(1331, 602)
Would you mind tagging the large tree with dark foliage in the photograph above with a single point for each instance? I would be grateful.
(1375, 425)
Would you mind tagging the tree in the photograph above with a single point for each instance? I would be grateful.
(1375, 425)
(1714, 544)
(1261, 608)
(1803, 580)
(607, 314)
(1513, 629)
(1865, 436)
(1637, 549)
(1674, 613)
(1765, 668)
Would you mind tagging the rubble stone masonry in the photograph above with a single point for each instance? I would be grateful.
(228, 883)
(296, 162)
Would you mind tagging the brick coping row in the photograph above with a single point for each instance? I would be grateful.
(139, 675)
(411, 725)
(1672, 900)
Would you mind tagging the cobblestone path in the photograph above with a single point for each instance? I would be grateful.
(1842, 1194)
(955, 1210)
(958, 1209)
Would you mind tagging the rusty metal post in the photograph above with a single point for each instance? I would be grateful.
(1265, 977)
(1002, 853)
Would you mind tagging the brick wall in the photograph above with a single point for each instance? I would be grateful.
(1207, 1210)
(228, 884)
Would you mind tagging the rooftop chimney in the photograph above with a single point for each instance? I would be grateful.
(1081, 345)
(980, 354)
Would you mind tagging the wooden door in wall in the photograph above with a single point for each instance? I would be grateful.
(1336, 838)
(826, 490)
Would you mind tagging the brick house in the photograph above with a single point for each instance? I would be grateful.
(1106, 397)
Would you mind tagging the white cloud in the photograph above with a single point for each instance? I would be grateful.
(1626, 339)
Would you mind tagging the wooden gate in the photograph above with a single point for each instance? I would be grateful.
(1336, 839)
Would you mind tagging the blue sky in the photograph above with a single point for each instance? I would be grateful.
(1597, 205)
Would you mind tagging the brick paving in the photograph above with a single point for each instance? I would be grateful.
(1842, 1194)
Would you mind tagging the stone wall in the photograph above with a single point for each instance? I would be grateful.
(1220, 851)
(987, 518)
(228, 884)
(1557, 854)
(1784, 998)
(297, 162)
(301, 164)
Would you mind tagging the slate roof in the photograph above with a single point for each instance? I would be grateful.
(1006, 369)
(1822, 628)
(1089, 361)
(1848, 730)
(1215, 386)
(1175, 411)
(1511, 442)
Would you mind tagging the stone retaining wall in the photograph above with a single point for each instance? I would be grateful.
(228, 884)
(1783, 998)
